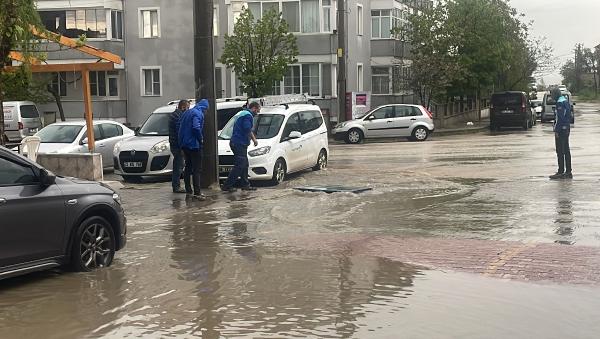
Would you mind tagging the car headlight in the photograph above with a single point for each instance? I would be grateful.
(160, 147)
(342, 124)
(117, 198)
(117, 148)
(260, 151)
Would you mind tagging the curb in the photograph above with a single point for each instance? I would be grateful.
(461, 131)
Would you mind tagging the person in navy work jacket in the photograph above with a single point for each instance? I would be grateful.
(562, 130)
(174, 117)
(240, 140)
(191, 125)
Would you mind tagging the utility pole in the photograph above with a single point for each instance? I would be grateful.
(204, 75)
(341, 54)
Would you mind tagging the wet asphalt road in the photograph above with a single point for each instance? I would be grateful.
(429, 252)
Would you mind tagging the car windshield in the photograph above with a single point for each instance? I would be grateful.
(506, 99)
(157, 124)
(266, 126)
(64, 134)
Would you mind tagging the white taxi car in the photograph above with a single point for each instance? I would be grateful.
(291, 138)
(148, 152)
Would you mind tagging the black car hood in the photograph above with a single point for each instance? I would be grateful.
(81, 186)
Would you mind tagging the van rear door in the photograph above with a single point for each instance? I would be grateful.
(507, 103)
(30, 117)
(11, 121)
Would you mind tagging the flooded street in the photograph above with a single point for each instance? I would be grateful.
(461, 237)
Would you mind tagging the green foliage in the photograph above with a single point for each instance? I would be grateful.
(259, 51)
(21, 85)
(470, 47)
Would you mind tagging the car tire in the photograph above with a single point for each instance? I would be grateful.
(420, 133)
(354, 136)
(279, 172)
(321, 161)
(525, 124)
(132, 179)
(93, 246)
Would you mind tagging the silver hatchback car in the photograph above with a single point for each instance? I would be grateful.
(397, 120)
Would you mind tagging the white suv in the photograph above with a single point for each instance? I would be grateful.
(291, 138)
(397, 120)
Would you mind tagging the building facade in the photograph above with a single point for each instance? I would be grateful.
(103, 24)
(155, 40)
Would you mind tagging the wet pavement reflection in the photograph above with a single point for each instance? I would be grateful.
(240, 265)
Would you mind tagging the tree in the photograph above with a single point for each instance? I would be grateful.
(16, 19)
(259, 51)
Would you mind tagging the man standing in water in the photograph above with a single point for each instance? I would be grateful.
(562, 130)
(174, 117)
(191, 140)
(240, 140)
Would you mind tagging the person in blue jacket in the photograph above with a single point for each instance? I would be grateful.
(174, 117)
(562, 130)
(191, 125)
(240, 140)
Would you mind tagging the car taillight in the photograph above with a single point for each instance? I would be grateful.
(523, 108)
(20, 125)
(428, 113)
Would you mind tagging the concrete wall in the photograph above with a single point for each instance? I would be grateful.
(84, 166)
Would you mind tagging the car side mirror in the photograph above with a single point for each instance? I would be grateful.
(294, 135)
(47, 178)
(137, 130)
(84, 141)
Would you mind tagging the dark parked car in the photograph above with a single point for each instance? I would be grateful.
(511, 109)
(48, 221)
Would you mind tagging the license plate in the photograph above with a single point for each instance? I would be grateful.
(33, 130)
(508, 111)
(225, 169)
(136, 164)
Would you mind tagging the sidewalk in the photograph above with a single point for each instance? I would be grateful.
(477, 127)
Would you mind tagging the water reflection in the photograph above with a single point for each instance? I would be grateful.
(563, 220)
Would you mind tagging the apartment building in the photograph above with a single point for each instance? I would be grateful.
(155, 40)
(102, 22)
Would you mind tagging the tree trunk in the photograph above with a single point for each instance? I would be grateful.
(58, 101)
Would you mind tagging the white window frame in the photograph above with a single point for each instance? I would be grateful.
(117, 77)
(389, 76)
(141, 11)
(216, 20)
(360, 22)
(332, 15)
(143, 82)
(360, 77)
(301, 75)
(122, 25)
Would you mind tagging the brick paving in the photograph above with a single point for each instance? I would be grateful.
(501, 259)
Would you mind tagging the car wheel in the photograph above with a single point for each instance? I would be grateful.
(526, 124)
(279, 172)
(492, 127)
(321, 161)
(420, 133)
(132, 179)
(93, 246)
(354, 136)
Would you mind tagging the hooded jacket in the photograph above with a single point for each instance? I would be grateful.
(191, 124)
(562, 121)
(174, 128)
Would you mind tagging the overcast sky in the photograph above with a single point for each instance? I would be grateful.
(564, 23)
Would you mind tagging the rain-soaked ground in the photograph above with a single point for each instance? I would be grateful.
(461, 237)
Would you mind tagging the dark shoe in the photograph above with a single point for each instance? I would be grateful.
(179, 190)
(556, 176)
(568, 175)
(249, 188)
(228, 189)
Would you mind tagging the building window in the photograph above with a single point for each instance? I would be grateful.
(216, 21)
(74, 23)
(326, 15)
(359, 19)
(219, 82)
(59, 83)
(112, 79)
(291, 15)
(310, 16)
(149, 23)
(380, 79)
(291, 80)
(98, 83)
(116, 21)
(359, 77)
(384, 21)
(311, 79)
(151, 81)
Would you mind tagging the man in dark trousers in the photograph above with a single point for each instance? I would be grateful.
(240, 140)
(183, 106)
(190, 140)
(562, 130)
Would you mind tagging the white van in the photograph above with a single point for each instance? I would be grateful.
(21, 119)
(291, 138)
(148, 153)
